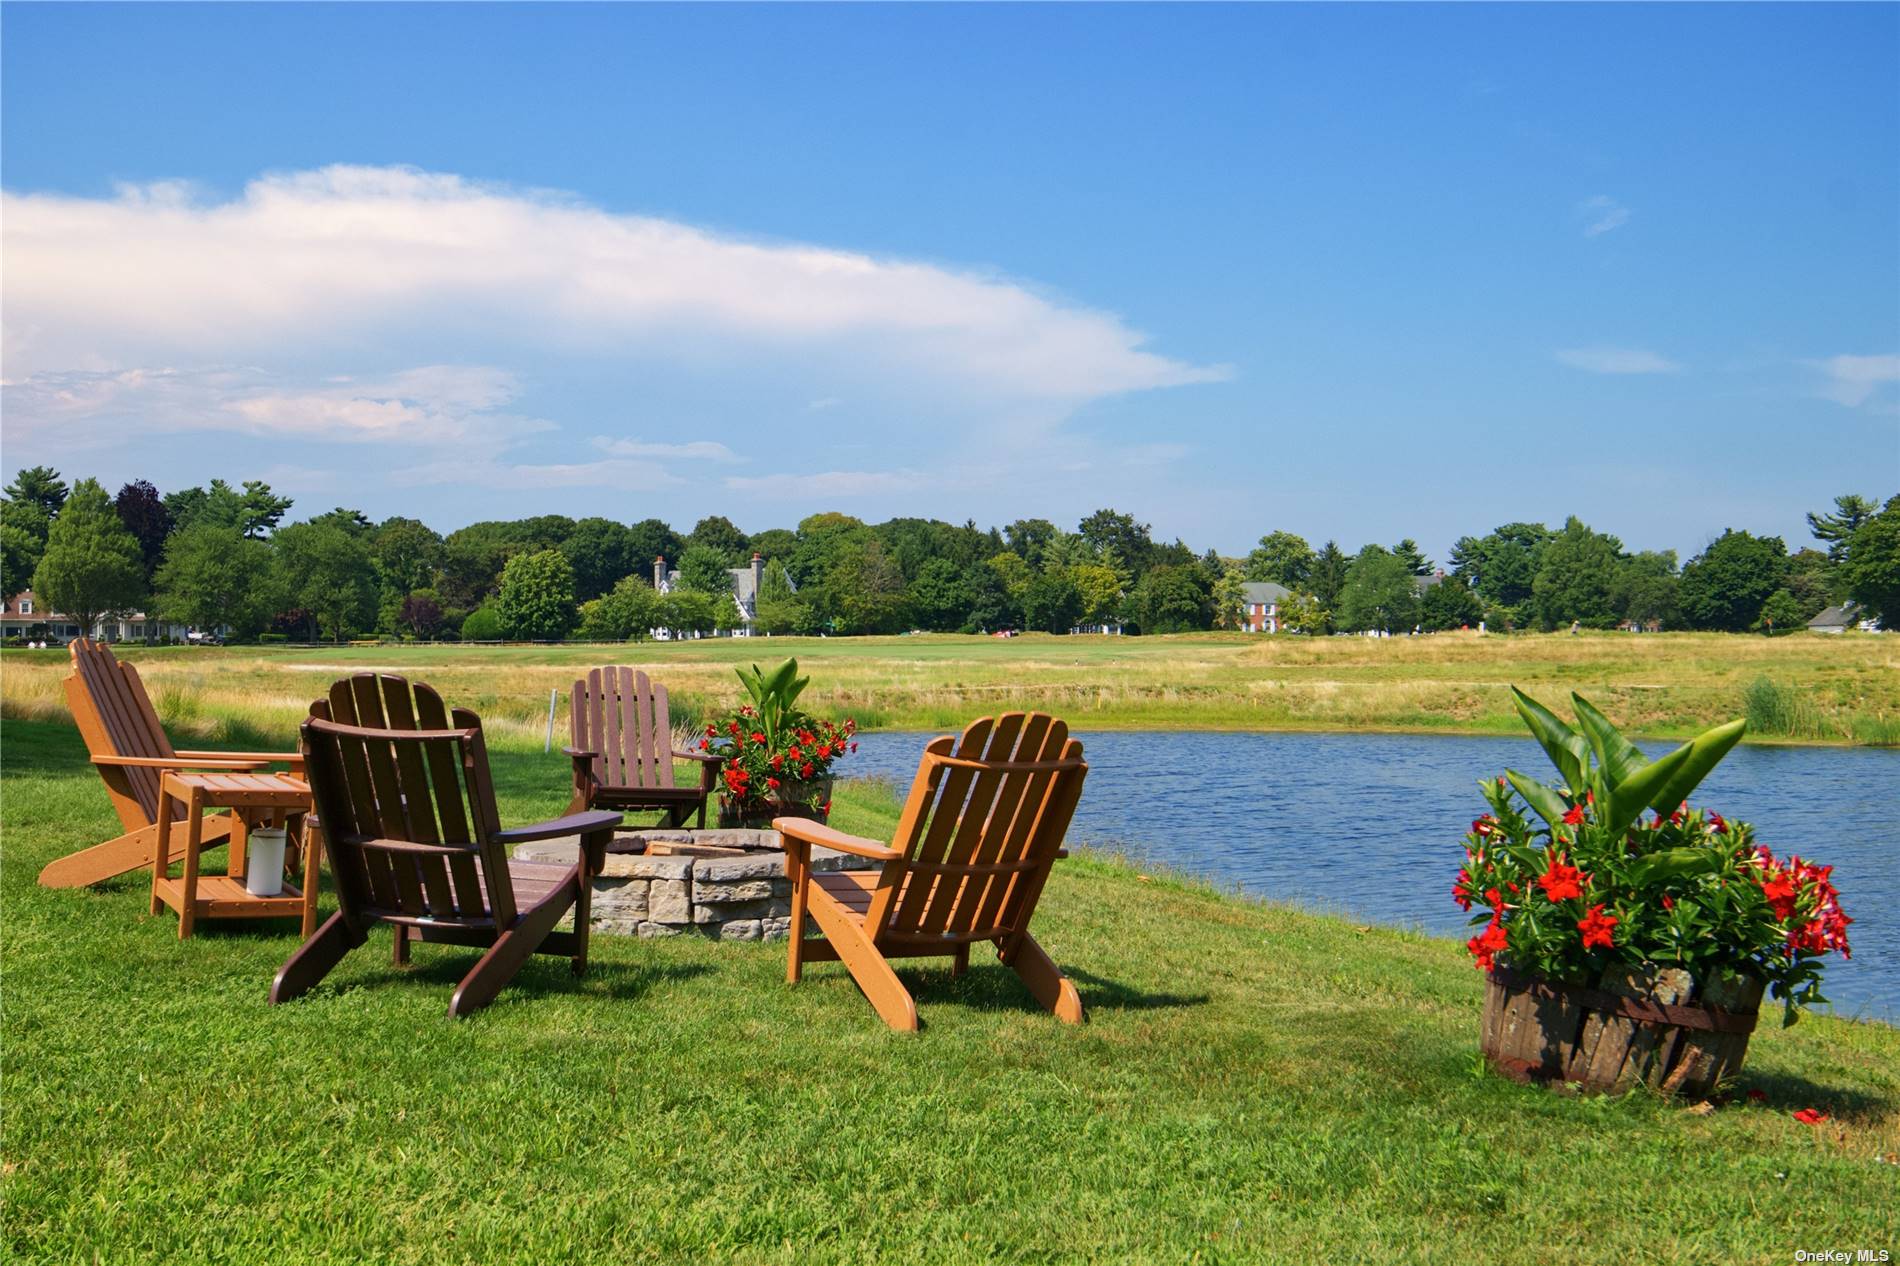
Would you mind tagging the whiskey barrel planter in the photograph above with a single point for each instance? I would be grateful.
(1650, 1026)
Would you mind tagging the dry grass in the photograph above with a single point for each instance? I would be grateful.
(1663, 685)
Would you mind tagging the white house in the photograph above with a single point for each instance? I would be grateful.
(746, 583)
(24, 616)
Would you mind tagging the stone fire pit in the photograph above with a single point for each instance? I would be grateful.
(729, 885)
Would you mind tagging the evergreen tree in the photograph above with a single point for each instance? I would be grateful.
(1871, 570)
(1837, 529)
(1327, 580)
(1449, 604)
(1408, 552)
(1725, 585)
(1577, 577)
(1171, 598)
(939, 597)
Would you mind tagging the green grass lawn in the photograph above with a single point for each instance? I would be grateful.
(1254, 1084)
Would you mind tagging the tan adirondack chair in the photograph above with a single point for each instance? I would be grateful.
(414, 840)
(623, 748)
(129, 748)
(982, 825)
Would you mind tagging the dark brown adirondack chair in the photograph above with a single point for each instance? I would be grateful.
(129, 748)
(982, 826)
(623, 749)
(414, 840)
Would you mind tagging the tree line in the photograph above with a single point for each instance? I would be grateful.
(223, 557)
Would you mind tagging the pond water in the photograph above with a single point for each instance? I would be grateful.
(1371, 825)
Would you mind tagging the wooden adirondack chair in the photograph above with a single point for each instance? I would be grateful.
(414, 840)
(623, 749)
(131, 752)
(982, 825)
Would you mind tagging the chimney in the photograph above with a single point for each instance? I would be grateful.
(659, 571)
(758, 574)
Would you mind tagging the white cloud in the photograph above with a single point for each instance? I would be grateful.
(1853, 380)
(1601, 214)
(696, 450)
(1617, 360)
(338, 258)
(830, 483)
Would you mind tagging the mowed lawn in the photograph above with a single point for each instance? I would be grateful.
(1254, 1084)
(1840, 689)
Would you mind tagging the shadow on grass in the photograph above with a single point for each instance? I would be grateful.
(443, 968)
(1791, 1092)
(994, 987)
(1113, 995)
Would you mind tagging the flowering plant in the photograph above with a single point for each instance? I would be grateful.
(1594, 885)
(773, 754)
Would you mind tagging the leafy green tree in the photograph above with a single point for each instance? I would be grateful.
(704, 569)
(775, 544)
(92, 565)
(1408, 552)
(1051, 602)
(991, 608)
(1576, 578)
(718, 533)
(780, 608)
(483, 624)
(1013, 574)
(1646, 588)
(650, 539)
(407, 553)
(40, 487)
(939, 597)
(143, 512)
(1379, 593)
(629, 612)
(1449, 604)
(1502, 566)
(865, 589)
(1281, 558)
(1229, 599)
(1111, 530)
(1302, 614)
(325, 569)
(1725, 585)
(601, 551)
(1030, 539)
(1100, 589)
(686, 611)
(1781, 614)
(1837, 529)
(536, 602)
(19, 554)
(1813, 581)
(1327, 579)
(215, 576)
(1872, 568)
(421, 613)
(1171, 598)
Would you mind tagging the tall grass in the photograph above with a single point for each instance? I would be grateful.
(1773, 708)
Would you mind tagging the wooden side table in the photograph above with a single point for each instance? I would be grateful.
(254, 800)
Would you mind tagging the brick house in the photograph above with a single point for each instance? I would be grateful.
(1261, 601)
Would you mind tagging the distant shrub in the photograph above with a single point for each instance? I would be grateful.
(272, 639)
(483, 625)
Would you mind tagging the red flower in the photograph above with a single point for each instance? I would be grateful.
(1485, 946)
(1780, 892)
(795, 754)
(1575, 816)
(777, 760)
(1458, 892)
(1810, 1116)
(1561, 880)
(1717, 822)
(1668, 902)
(757, 737)
(1597, 928)
(704, 744)
(772, 782)
(1483, 826)
(732, 726)
(804, 771)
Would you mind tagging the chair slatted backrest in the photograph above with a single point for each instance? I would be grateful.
(984, 820)
(621, 715)
(403, 791)
(116, 718)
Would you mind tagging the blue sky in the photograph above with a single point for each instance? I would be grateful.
(1358, 272)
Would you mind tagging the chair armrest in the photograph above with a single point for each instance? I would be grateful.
(575, 753)
(287, 758)
(177, 762)
(704, 758)
(806, 831)
(572, 824)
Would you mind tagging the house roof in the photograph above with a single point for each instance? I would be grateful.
(1265, 592)
(1843, 616)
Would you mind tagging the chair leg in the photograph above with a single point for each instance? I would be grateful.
(511, 949)
(1044, 979)
(797, 872)
(868, 967)
(114, 857)
(314, 959)
(960, 963)
(399, 948)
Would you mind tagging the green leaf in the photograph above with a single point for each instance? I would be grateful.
(1565, 747)
(1626, 803)
(1673, 863)
(1617, 755)
(1549, 805)
(1701, 754)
